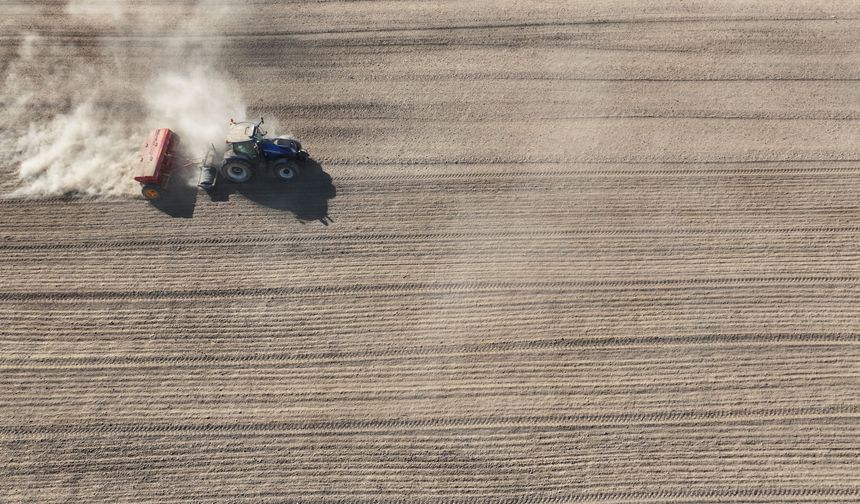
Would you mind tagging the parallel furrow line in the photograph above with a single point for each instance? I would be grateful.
(427, 350)
(526, 421)
(409, 237)
(425, 287)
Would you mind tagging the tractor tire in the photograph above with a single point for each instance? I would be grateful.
(286, 170)
(152, 192)
(237, 171)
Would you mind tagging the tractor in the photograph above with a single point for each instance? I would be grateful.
(248, 153)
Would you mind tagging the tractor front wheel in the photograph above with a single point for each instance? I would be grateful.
(152, 192)
(237, 171)
(286, 170)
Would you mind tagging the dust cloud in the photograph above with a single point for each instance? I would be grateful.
(197, 103)
(77, 116)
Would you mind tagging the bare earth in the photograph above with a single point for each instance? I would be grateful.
(552, 252)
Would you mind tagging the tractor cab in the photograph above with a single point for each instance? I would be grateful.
(243, 138)
(247, 149)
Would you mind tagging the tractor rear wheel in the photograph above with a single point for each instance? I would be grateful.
(286, 170)
(237, 171)
(152, 192)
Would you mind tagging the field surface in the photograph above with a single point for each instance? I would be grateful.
(548, 252)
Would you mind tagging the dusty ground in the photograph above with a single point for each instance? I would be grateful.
(552, 252)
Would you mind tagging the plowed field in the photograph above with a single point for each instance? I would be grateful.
(547, 252)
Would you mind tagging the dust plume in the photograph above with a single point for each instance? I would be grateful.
(197, 103)
(77, 115)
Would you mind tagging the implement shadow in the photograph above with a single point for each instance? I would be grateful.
(180, 197)
(306, 197)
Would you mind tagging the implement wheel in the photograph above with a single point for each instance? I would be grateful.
(152, 192)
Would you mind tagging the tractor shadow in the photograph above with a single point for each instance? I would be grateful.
(306, 198)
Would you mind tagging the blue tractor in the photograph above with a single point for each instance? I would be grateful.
(249, 152)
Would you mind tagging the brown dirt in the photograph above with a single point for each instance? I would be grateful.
(584, 252)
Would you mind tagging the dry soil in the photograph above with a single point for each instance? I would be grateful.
(550, 252)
